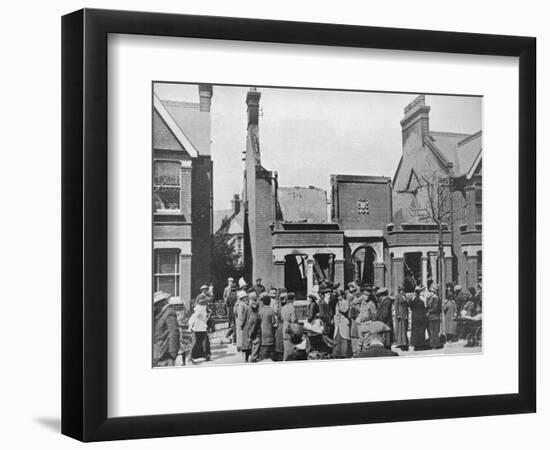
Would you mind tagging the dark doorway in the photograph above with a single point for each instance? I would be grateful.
(363, 260)
(413, 268)
(323, 268)
(296, 275)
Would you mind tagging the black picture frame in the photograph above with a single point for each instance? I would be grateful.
(84, 224)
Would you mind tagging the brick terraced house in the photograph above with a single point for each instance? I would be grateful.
(182, 195)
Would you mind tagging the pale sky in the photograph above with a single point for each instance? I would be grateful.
(307, 135)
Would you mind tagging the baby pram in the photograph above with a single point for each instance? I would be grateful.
(320, 344)
(471, 330)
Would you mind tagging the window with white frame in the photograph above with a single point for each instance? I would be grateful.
(167, 187)
(167, 271)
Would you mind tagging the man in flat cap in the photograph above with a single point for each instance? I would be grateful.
(418, 320)
(240, 312)
(384, 315)
(166, 334)
(259, 288)
(433, 309)
(288, 315)
(401, 319)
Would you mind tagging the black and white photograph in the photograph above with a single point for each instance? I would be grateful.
(300, 224)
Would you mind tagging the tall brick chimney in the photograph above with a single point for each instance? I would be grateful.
(205, 96)
(253, 103)
(416, 118)
(236, 204)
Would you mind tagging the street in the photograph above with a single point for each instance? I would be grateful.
(223, 352)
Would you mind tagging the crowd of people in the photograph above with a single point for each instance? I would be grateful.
(359, 321)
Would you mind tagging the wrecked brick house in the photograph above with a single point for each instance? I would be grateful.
(291, 238)
(289, 241)
(376, 229)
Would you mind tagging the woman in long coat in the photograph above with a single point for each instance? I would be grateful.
(418, 321)
(279, 341)
(198, 325)
(240, 309)
(342, 329)
(449, 316)
(433, 310)
(401, 320)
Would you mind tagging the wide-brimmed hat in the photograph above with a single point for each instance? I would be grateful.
(290, 296)
(374, 327)
(382, 290)
(204, 286)
(458, 287)
(159, 296)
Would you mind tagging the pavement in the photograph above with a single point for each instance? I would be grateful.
(224, 352)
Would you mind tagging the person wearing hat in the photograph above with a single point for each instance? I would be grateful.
(242, 284)
(449, 317)
(384, 314)
(354, 298)
(227, 289)
(312, 307)
(401, 319)
(166, 334)
(277, 306)
(268, 321)
(342, 324)
(288, 315)
(202, 298)
(325, 311)
(433, 310)
(418, 320)
(368, 306)
(240, 311)
(367, 313)
(251, 330)
(298, 344)
(274, 300)
(373, 344)
(198, 324)
(259, 288)
(230, 302)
